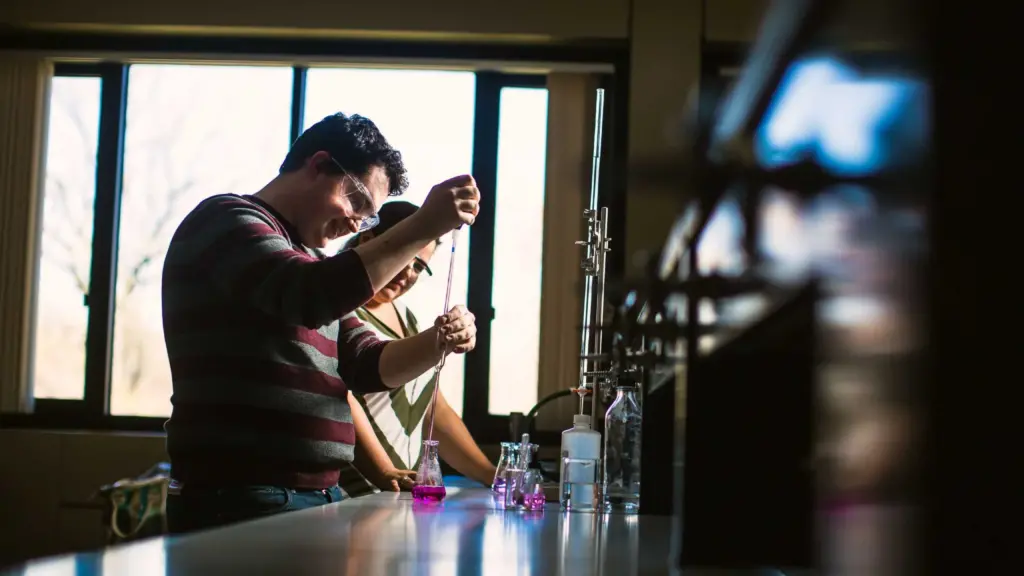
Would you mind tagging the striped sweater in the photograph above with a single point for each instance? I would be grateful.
(260, 361)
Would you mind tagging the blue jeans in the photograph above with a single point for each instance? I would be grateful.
(203, 508)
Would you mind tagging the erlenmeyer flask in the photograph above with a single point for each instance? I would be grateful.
(506, 461)
(429, 483)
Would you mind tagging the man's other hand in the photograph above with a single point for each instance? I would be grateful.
(450, 204)
(456, 330)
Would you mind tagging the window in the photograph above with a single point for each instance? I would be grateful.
(518, 245)
(505, 256)
(131, 149)
(191, 132)
(428, 116)
(69, 191)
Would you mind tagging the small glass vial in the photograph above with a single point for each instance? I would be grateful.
(622, 428)
(532, 487)
(429, 482)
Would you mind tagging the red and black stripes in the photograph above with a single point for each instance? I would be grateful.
(260, 362)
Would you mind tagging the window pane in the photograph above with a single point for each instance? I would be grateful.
(518, 237)
(61, 317)
(428, 116)
(192, 132)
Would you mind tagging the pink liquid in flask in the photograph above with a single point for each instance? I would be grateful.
(534, 502)
(428, 493)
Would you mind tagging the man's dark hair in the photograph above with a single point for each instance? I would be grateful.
(356, 143)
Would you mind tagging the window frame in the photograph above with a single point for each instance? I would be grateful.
(485, 427)
(92, 412)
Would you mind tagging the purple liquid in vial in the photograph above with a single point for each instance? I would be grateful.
(428, 493)
(534, 501)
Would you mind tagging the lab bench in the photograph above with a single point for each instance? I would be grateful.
(389, 533)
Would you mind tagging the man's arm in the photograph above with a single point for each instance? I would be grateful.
(403, 360)
(371, 458)
(449, 205)
(236, 244)
(388, 254)
(457, 445)
(369, 364)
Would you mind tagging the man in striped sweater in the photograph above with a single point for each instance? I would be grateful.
(260, 331)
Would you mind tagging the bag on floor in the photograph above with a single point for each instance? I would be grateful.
(137, 507)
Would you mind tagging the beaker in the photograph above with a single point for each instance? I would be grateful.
(508, 456)
(525, 490)
(579, 486)
(513, 497)
(516, 475)
(429, 482)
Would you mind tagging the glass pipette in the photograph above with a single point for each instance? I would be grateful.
(447, 303)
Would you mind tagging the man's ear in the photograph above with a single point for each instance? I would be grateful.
(318, 163)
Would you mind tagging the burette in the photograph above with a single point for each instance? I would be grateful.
(444, 354)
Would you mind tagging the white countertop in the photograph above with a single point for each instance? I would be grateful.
(387, 534)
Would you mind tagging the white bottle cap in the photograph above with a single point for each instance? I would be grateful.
(581, 420)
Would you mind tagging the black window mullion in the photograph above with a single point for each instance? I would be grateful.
(486, 427)
(93, 70)
(481, 253)
(298, 101)
(612, 185)
(523, 81)
(107, 214)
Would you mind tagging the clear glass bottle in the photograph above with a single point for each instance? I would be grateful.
(506, 460)
(622, 428)
(429, 482)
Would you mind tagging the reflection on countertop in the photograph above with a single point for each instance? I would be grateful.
(390, 534)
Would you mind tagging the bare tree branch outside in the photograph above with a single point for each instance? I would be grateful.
(192, 132)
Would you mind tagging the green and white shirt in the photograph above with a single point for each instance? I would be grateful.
(396, 416)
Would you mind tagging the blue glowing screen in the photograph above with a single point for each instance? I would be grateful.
(850, 123)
